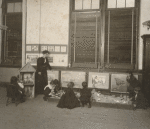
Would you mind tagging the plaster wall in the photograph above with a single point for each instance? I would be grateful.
(7, 73)
(47, 21)
(54, 22)
(33, 21)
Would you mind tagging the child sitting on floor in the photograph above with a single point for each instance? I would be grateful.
(51, 89)
(68, 99)
(57, 86)
(133, 83)
(139, 101)
(85, 97)
(20, 93)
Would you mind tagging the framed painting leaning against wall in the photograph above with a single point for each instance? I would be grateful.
(98, 80)
(119, 83)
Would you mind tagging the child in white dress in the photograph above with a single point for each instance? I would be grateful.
(51, 89)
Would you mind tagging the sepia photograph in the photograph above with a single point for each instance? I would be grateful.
(90, 60)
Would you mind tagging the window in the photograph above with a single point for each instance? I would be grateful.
(14, 7)
(121, 3)
(86, 4)
(120, 38)
(105, 35)
(12, 38)
(121, 35)
(85, 34)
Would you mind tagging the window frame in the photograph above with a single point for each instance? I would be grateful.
(122, 65)
(132, 66)
(101, 61)
(122, 7)
(97, 53)
(4, 46)
(83, 10)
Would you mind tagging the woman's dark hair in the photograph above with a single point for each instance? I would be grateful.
(84, 84)
(45, 52)
(13, 80)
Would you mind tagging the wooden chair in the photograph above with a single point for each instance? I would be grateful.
(12, 95)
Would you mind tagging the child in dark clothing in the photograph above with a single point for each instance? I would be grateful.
(20, 92)
(139, 101)
(133, 83)
(68, 99)
(57, 86)
(85, 95)
(135, 93)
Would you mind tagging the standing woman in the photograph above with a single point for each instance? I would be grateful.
(41, 79)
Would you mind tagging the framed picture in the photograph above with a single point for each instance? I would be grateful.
(57, 48)
(43, 48)
(51, 48)
(98, 80)
(52, 75)
(28, 48)
(119, 83)
(58, 60)
(29, 92)
(35, 48)
(76, 77)
(28, 79)
(32, 58)
(63, 49)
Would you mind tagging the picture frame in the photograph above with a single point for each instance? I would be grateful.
(35, 48)
(76, 77)
(28, 79)
(57, 48)
(58, 60)
(32, 58)
(119, 83)
(44, 47)
(52, 75)
(29, 92)
(98, 80)
(63, 49)
(51, 48)
(28, 48)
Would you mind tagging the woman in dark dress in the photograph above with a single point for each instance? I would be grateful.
(69, 100)
(41, 79)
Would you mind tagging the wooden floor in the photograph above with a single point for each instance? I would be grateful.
(39, 114)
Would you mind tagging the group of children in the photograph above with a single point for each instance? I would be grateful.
(68, 99)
